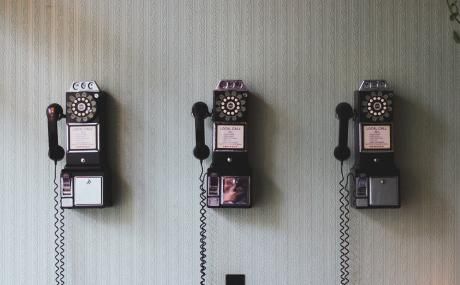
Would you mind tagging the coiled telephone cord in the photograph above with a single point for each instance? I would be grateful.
(202, 226)
(58, 234)
(344, 228)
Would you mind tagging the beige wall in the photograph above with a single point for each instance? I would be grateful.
(300, 58)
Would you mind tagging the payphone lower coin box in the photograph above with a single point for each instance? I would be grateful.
(83, 189)
(377, 192)
(229, 191)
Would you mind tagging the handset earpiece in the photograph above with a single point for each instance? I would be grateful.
(54, 113)
(200, 112)
(344, 113)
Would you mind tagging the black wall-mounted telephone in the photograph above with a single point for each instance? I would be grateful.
(376, 176)
(229, 176)
(84, 179)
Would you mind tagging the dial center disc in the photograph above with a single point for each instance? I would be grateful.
(81, 107)
(377, 106)
(231, 105)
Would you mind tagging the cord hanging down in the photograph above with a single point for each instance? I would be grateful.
(202, 226)
(58, 234)
(344, 228)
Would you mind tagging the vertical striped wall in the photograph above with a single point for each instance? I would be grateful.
(300, 58)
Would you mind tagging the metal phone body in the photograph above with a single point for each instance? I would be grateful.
(84, 179)
(376, 175)
(229, 175)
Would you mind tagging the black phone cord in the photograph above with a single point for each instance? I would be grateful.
(58, 234)
(344, 229)
(202, 226)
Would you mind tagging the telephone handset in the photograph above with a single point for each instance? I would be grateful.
(344, 114)
(376, 177)
(54, 113)
(229, 175)
(84, 179)
(200, 112)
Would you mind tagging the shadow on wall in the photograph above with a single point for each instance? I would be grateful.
(419, 140)
(119, 189)
(454, 16)
(265, 192)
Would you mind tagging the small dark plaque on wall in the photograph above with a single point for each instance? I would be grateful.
(234, 279)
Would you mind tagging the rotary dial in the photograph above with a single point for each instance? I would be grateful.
(378, 106)
(82, 106)
(231, 105)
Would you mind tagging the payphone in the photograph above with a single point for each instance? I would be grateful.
(84, 180)
(228, 178)
(374, 176)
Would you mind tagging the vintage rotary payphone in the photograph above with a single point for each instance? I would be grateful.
(84, 180)
(229, 175)
(374, 175)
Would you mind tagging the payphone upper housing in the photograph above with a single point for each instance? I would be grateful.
(376, 176)
(229, 175)
(84, 179)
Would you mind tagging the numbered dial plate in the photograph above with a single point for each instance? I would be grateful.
(231, 105)
(378, 106)
(82, 106)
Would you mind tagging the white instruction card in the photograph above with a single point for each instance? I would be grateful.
(82, 137)
(377, 137)
(230, 136)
